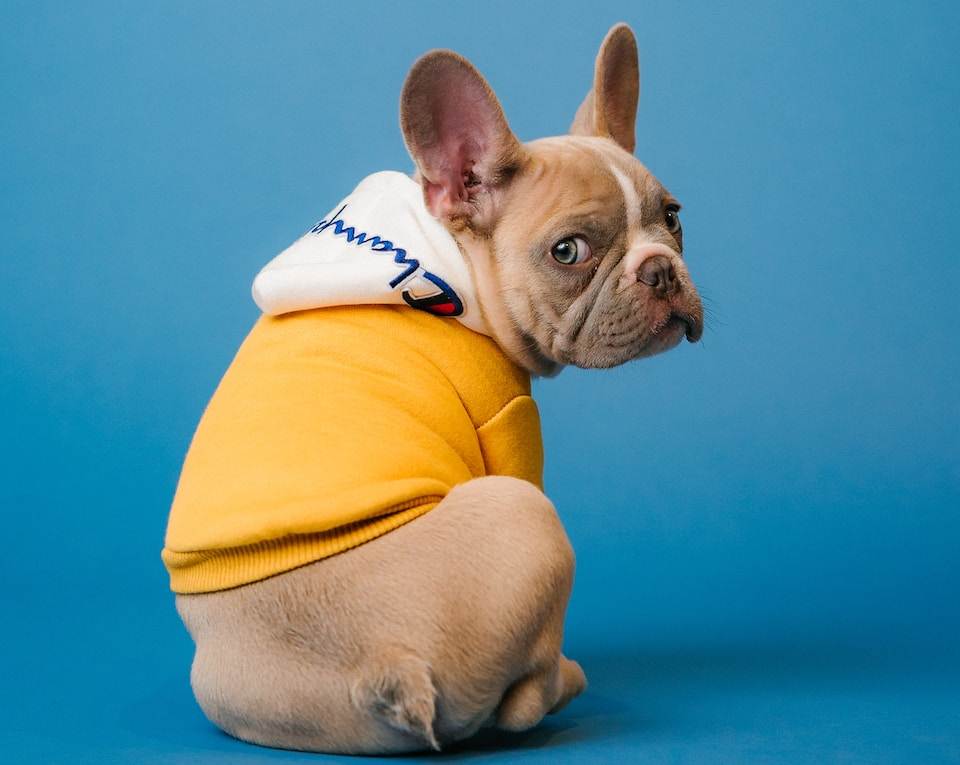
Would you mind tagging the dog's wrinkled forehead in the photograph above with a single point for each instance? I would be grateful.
(586, 179)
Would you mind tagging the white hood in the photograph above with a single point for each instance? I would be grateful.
(379, 245)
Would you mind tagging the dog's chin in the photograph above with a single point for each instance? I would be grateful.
(667, 337)
(598, 355)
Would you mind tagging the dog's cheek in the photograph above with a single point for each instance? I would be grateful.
(619, 327)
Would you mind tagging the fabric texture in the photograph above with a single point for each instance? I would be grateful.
(379, 245)
(337, 424)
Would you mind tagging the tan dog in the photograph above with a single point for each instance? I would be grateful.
(455, 620)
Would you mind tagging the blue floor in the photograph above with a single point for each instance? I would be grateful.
(104, 694)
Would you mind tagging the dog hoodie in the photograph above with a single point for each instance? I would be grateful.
(366, 391)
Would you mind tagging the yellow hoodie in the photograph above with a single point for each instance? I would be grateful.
(335, 425)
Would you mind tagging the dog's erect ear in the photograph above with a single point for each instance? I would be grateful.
(457, 135)
(610, 108)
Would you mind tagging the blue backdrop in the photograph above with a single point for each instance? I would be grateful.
(766, 523)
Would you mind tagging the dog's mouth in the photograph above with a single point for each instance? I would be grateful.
(678, 324)
(692, 323)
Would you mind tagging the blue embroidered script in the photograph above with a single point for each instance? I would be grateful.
(446, 302)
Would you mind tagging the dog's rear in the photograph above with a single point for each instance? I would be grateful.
(413, 640)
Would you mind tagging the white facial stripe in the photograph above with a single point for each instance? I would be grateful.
(638, 247)
(630, 198)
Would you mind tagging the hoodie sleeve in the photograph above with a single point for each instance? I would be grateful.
(511, 443)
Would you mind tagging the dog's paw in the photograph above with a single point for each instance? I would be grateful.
(400, 692)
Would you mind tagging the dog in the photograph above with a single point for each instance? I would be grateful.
(410, 586)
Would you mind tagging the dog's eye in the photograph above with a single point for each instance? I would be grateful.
(571, 251)
(671, 217)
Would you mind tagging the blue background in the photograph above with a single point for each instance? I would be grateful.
(766, 523)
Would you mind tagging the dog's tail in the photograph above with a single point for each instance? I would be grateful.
(399, 690)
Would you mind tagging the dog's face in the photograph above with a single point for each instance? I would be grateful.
(576, 248)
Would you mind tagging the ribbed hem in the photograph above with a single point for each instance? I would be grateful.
(212, 570)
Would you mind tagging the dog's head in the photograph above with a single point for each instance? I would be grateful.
(575, 247)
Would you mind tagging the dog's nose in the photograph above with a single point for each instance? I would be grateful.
(658, 273)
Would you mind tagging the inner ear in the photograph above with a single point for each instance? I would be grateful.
(456, 132)
(610, 108)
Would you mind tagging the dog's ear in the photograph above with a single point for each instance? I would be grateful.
(457, 134)
(610, 108)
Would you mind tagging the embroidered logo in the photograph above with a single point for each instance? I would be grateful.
(442, 300)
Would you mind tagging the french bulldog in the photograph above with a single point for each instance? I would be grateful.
(454, 621)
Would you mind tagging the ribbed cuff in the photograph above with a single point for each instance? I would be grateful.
(212, 570)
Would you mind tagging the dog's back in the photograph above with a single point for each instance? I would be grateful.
(334, 426)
